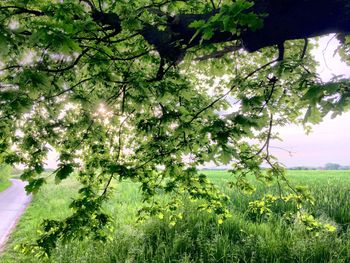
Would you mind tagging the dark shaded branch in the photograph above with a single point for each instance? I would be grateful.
(11, 67)
(280, 51)
(69, 89)
(306, 42)
(22, 10)
(107, 185)
(161, 71)
(220, 53)
(76, 61)
(268, 137)
(213, 4)
(110, 19)
(285, 20)
(100, 5)
(266, 144)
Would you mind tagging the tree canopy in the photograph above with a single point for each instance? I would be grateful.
(148, 90)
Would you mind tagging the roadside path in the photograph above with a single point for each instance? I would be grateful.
(13, 202)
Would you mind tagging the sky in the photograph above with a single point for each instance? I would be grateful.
(329, 140)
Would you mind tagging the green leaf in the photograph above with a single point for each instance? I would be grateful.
(34, 185)
(63, 171)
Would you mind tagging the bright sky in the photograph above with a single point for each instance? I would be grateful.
(329, 141)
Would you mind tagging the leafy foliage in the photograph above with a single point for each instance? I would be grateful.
(86, 81)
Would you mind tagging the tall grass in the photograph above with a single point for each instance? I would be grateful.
(198, 237)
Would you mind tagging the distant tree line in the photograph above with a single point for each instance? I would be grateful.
(328, 166)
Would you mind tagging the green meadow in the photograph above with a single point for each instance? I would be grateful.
(198, 237)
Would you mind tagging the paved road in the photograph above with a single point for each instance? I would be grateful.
(13, 202)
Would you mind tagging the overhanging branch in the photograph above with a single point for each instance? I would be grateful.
(286, 20)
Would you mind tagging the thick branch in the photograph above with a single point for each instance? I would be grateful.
(286, 20)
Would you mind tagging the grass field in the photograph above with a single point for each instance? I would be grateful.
(198, 237)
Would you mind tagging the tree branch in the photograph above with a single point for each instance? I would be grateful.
(229, 91)
(22, 10)
(220, 53)
(306, 42)
(285, 20)
(76, 61)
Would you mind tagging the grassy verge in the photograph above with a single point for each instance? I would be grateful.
(198, 237)
(5, 172)
(4, 184)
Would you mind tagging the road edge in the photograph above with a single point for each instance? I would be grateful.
(3, 243)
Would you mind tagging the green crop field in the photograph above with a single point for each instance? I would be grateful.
(198, 237)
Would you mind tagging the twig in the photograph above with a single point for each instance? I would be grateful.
(22, 10)
(107, 185)
(324, 51)
(283, 149)
(229, 91)
(306, 42)
(68, 67)
(100, 5)
(220, 53)
(67, 90)
(213, 4)
(90, 4)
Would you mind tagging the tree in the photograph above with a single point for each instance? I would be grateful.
(134, 91)
(332, 166)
